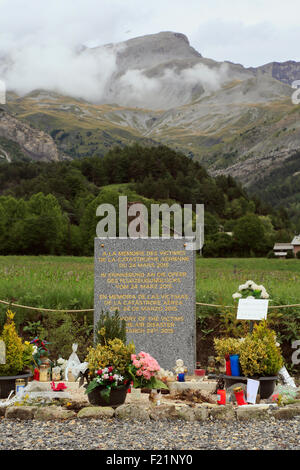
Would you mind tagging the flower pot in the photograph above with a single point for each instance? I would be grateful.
(227, 365)
(266, 384)
(199, 372)
(234, 365)
(8, 383)
(117, 396)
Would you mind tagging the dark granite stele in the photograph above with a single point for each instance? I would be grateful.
(151, 282)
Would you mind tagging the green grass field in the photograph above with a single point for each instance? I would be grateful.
(67, 282)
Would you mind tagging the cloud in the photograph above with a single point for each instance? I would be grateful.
(40, 43)
(170, 88)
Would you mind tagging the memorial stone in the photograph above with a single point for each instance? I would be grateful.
(151, 282)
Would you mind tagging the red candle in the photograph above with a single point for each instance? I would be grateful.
(221, 397)
(228, 366)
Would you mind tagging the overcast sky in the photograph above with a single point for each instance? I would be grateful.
(251, 32)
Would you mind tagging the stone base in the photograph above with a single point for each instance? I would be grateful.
(178, 387)
(146, 412)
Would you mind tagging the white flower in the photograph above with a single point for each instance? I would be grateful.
(250, 297)
(237, 295)
(62, 362)
(34, 350)
(249, 284)
(242, 287)
(264, 295)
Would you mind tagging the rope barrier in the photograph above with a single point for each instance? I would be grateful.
(10, 304)
(39, 309)
(235, 306)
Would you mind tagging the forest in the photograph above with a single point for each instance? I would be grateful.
(50, 208)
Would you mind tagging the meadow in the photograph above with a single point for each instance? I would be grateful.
(67, 283)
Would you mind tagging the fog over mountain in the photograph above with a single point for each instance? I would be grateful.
(151, 89)
(156, 71)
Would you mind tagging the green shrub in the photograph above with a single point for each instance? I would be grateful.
(109, 327)
(259, 354)
(14, 348)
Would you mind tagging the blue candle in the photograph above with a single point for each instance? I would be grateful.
(181, 377)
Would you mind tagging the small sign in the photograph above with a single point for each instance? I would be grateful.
(2, 352)
(252, 309)
(252, 389)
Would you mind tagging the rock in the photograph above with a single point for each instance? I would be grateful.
(34, 143)
(48, 413)
(96, 412)
(20, 412)
(163, 412)
(225, 413)
(186, 413)
(3, 410)
(288, 412)
(178, 387)
(133, 411)
(244, 413)
(201, 413)
(36, 386)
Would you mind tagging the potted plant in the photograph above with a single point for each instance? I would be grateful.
(41, 352)
(227, 348)
(18, 362)
(107, 373)
(144, 370)
(111, 369)
(259, 358)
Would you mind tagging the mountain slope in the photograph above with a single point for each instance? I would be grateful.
(234, 120)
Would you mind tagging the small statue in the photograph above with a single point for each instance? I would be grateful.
(211, 367)
(211, 364)
(179, 369)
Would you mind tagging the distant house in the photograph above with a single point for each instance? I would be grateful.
(282, 249)
(296, 244)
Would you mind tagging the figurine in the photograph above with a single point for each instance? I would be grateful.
(211, 368)
(179, 369)
(211, 365)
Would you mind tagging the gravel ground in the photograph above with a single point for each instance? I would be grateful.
(125, 435)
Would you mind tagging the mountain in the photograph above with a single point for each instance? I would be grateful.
(18, 139)
(234, 120)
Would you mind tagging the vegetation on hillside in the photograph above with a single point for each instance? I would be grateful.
(50, 208)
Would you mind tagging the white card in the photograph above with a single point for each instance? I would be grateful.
(252, 389)
(252, 309)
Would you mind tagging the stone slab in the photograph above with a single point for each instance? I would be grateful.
(178, 387)
(50, 395)
(151, 282)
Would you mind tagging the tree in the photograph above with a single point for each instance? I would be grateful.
(249, 234)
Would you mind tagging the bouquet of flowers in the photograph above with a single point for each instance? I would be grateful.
(109, 378)
(250, 290)
(144, 369)
(40, 349)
